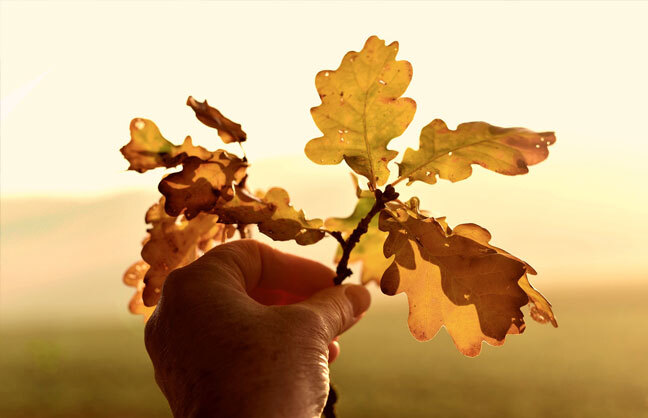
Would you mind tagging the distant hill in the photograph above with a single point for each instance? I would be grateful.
(63, 258)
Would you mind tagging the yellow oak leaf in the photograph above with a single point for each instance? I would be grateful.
(455, 280)
(450, 154)
(287, 223)
(148, 149)
(174, 242)
(362, 111)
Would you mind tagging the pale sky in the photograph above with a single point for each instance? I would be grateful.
(73, 75)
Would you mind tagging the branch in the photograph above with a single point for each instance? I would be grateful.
(337, 235)
(343, 271)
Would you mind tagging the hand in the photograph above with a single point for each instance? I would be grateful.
(248, 331)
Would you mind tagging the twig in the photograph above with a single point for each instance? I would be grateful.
(343, 271)
(241, 230)
(338, 236)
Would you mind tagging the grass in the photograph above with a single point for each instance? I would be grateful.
(594, 365)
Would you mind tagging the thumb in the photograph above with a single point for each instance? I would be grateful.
(338, 307)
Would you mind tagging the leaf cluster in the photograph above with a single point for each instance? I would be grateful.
(453, 277)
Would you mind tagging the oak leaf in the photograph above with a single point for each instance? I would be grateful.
(453, 280)
(449, 154)
(148, 149)
(244, 208)
(200, 184)
(287, 223)
(134, 277)
(362, 111)
(541, 308)
(174, 242)
(228, 130)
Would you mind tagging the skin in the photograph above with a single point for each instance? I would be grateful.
(249, 331)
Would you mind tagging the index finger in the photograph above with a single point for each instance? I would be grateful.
(268, 275)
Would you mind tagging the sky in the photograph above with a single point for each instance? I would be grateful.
(73, 75)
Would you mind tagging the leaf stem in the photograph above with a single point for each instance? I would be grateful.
(342, 270)
(398, 180)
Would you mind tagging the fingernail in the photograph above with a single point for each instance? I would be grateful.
(359, 297)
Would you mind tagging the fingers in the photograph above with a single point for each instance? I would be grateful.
(334, 350)
(337, 308)
(268, 275)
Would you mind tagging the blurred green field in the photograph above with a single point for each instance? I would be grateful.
(594, 365)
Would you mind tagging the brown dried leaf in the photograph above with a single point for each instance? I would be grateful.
(449, 154)
(228, 131)
(244, 208)
(175, 242)
(134, 277)
(148, 149)
(452, 280)
(286, 223)
(200, 184)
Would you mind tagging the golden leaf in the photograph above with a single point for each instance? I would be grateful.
(362, 111)
(134, 277)
(449, 154)
(453, 280)
(174, 242)
(148, 149)
(286, 223)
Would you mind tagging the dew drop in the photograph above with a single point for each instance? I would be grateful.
(427, 173)
(450, 153)
(466, 296)
(382, 82)
(301, 231)
(340, 131)
(446, 245)
(341, 139)
(542, 138)
(326, 74)
(139, 124)
(537, 145)
(346, 132)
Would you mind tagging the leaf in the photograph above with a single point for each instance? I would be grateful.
(228, 131)
(175, 242)
(200, 184)
(454, 281)
(286, 223)
(134, 277)
(244, 208)
(369, 250)
(449, 154)
(541, 308)
(148, 149)
(362, 111)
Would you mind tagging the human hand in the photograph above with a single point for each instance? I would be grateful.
(219, 349)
